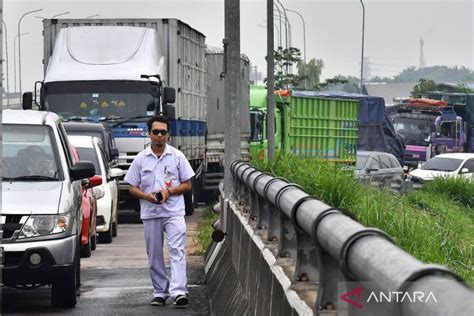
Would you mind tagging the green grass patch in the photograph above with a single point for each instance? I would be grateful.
(204, 230)
(435, 224)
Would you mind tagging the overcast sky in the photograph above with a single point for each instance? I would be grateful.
(333, 30)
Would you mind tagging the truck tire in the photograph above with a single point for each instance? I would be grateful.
(189, 203)
(196, 191)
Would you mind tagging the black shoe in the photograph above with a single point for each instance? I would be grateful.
(180, 301)
(158, 301)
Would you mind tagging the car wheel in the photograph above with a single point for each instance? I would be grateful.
(94, 242)
(86, 250)
(64, 289)
(106, 237)
(115, 228)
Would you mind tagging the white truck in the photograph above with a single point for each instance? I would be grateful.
(215, 144)
(122, 72)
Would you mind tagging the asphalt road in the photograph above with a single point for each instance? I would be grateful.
(115, 280)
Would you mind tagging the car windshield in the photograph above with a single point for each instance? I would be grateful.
(442, 164)
(361, 161)
(98, 100)
(28, 153)
(89, 154)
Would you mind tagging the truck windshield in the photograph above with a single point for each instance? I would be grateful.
(29, 154)
(416, 131)
(98, 99)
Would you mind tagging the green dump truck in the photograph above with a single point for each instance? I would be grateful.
(305, 125)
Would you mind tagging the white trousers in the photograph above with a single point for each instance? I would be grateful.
(175, 228)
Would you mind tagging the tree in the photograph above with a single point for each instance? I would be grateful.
(284, 59)
(424, 85)
(312, 77)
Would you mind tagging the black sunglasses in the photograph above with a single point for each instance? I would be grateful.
(157, 132)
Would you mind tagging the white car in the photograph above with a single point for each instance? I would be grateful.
(90, 149)
(446, 165)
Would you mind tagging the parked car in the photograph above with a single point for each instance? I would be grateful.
(446, 165)
(103, 131)
(89, 212)
(91, 149)
(41, 215)
(381, 167)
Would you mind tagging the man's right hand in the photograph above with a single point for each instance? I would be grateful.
(150, 197)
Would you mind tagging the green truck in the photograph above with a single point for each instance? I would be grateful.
(328, 125)
(305, 125)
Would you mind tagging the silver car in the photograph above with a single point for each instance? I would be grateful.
(41, 214)
(378, 168)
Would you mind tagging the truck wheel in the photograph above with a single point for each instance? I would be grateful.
(196, 191)
(188, 203)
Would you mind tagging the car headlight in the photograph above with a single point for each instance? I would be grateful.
(98, 191)
(44, 225)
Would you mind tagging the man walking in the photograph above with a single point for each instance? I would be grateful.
(159, 176)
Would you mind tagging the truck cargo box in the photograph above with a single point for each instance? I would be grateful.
(375, 129)
(322, 127)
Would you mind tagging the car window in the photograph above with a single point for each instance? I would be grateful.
(90, 154)
(30, 153)
(361, 161)
(442, 164)
(394, 162)
(469, 165)
(384, 162)
(374, 164)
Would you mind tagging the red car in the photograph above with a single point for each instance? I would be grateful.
(89, 212)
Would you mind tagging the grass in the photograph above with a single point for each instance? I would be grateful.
(435, 224)
(204, 230)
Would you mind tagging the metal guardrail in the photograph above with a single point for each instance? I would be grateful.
(329, 246)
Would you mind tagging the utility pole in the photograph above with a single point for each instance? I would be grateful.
(232, 91)
(270, 82)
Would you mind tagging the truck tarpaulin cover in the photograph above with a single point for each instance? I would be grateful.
(376, 131)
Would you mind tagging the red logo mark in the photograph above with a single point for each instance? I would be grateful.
(346, 297)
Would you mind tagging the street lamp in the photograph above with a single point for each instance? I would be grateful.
(54, 16)
(276, 27)
(362, 54)
(19, 42)
(6, 61)
(304, 43)
(14, 59)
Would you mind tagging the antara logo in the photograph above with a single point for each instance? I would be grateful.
(400, 297)
(353, 297)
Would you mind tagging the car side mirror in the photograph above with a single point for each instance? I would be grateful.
(27, 101)
(116, 172)
(82, 170)
(94, 181)
(464, 170)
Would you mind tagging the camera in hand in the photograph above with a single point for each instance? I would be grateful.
(159, 196)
